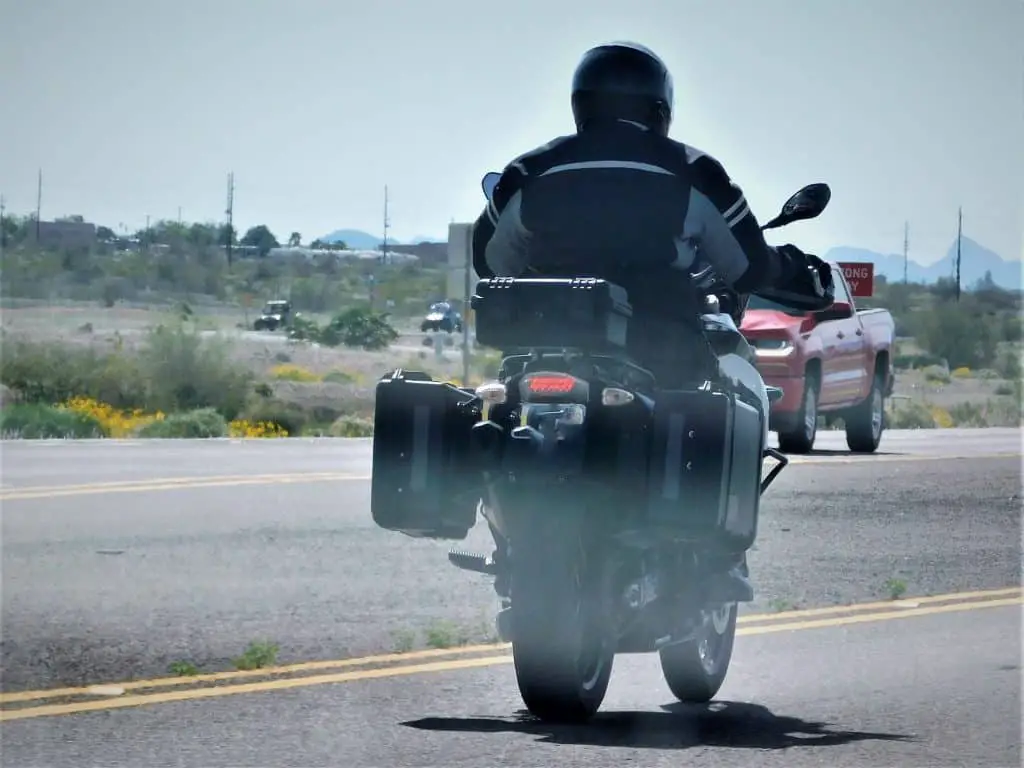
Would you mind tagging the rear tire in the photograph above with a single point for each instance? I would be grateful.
(801, 438)
(695, 670)
(866, 421)
(561, 638)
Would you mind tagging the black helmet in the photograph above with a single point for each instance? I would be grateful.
(622, 81)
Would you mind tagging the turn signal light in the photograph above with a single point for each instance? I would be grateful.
(613, 396)
(492, 392)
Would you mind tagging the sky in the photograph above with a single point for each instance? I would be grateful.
(136, 108)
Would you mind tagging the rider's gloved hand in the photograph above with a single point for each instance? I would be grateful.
(799, 264)
(824, 272)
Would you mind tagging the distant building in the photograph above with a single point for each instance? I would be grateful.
(67, 232)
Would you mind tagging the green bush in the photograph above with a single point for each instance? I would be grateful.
(187, 372)
(202, 422)
(358, 327)
(288, 416)
(54, 372)
(36, 421)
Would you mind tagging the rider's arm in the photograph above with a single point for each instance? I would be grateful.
(497, 245)
(729, 233)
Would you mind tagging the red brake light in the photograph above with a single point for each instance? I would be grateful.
(550, 384)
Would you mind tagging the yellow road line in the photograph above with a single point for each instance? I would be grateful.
(842, 621)
(173, 484)
(286, 669)
(906, 603)
(160, 480)
(407, 669)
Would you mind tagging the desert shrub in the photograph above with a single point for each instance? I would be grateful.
(288, 416)
(247, 429)
(37, 421)
(912, 415)
(358, 327)
(176, 370)
(187, 372)
(351, 426)
(934, 374)
(53, 372)
(198, 423)
(115, 422)
(290, 372)
(968, 415)
(341, 377)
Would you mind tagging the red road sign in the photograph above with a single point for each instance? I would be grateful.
(860, 276)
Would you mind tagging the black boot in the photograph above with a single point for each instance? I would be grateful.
(730, 582)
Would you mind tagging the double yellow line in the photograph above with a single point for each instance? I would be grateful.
(171, 484)
(136, 693)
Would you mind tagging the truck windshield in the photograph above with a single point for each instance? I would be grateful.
(756, 302)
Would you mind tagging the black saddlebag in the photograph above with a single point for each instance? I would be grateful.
(423, 480)
(580, 313)
(704, 476)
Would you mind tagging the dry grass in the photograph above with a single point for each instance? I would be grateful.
(916, 386)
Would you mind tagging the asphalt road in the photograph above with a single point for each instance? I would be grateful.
(192, 550)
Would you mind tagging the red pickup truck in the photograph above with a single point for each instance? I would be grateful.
(836, 362)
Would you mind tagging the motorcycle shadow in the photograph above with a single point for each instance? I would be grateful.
(679, 726)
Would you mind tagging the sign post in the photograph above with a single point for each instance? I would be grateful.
(461, 279)
(860, 276)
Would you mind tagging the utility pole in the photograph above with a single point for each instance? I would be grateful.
(906, 248)
(39, 203)
(230, 212)
(387, 224)
(3, 230)
(959, 237)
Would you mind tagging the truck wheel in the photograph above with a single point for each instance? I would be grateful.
(695, 670)
(801, 438)
(866, 422)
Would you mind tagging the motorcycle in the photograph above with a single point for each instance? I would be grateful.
(602, 492)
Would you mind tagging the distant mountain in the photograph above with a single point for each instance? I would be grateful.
(364, 241)
(975, 261)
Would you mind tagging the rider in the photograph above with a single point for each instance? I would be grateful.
(620, 186)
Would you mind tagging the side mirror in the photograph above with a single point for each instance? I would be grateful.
(489, 182)
(840, 310)
(808, 203)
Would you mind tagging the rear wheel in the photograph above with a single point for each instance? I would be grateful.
(865, 422)
(800, 439)
(562, 643)
(695, 670)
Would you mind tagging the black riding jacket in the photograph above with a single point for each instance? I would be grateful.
(621, 202)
